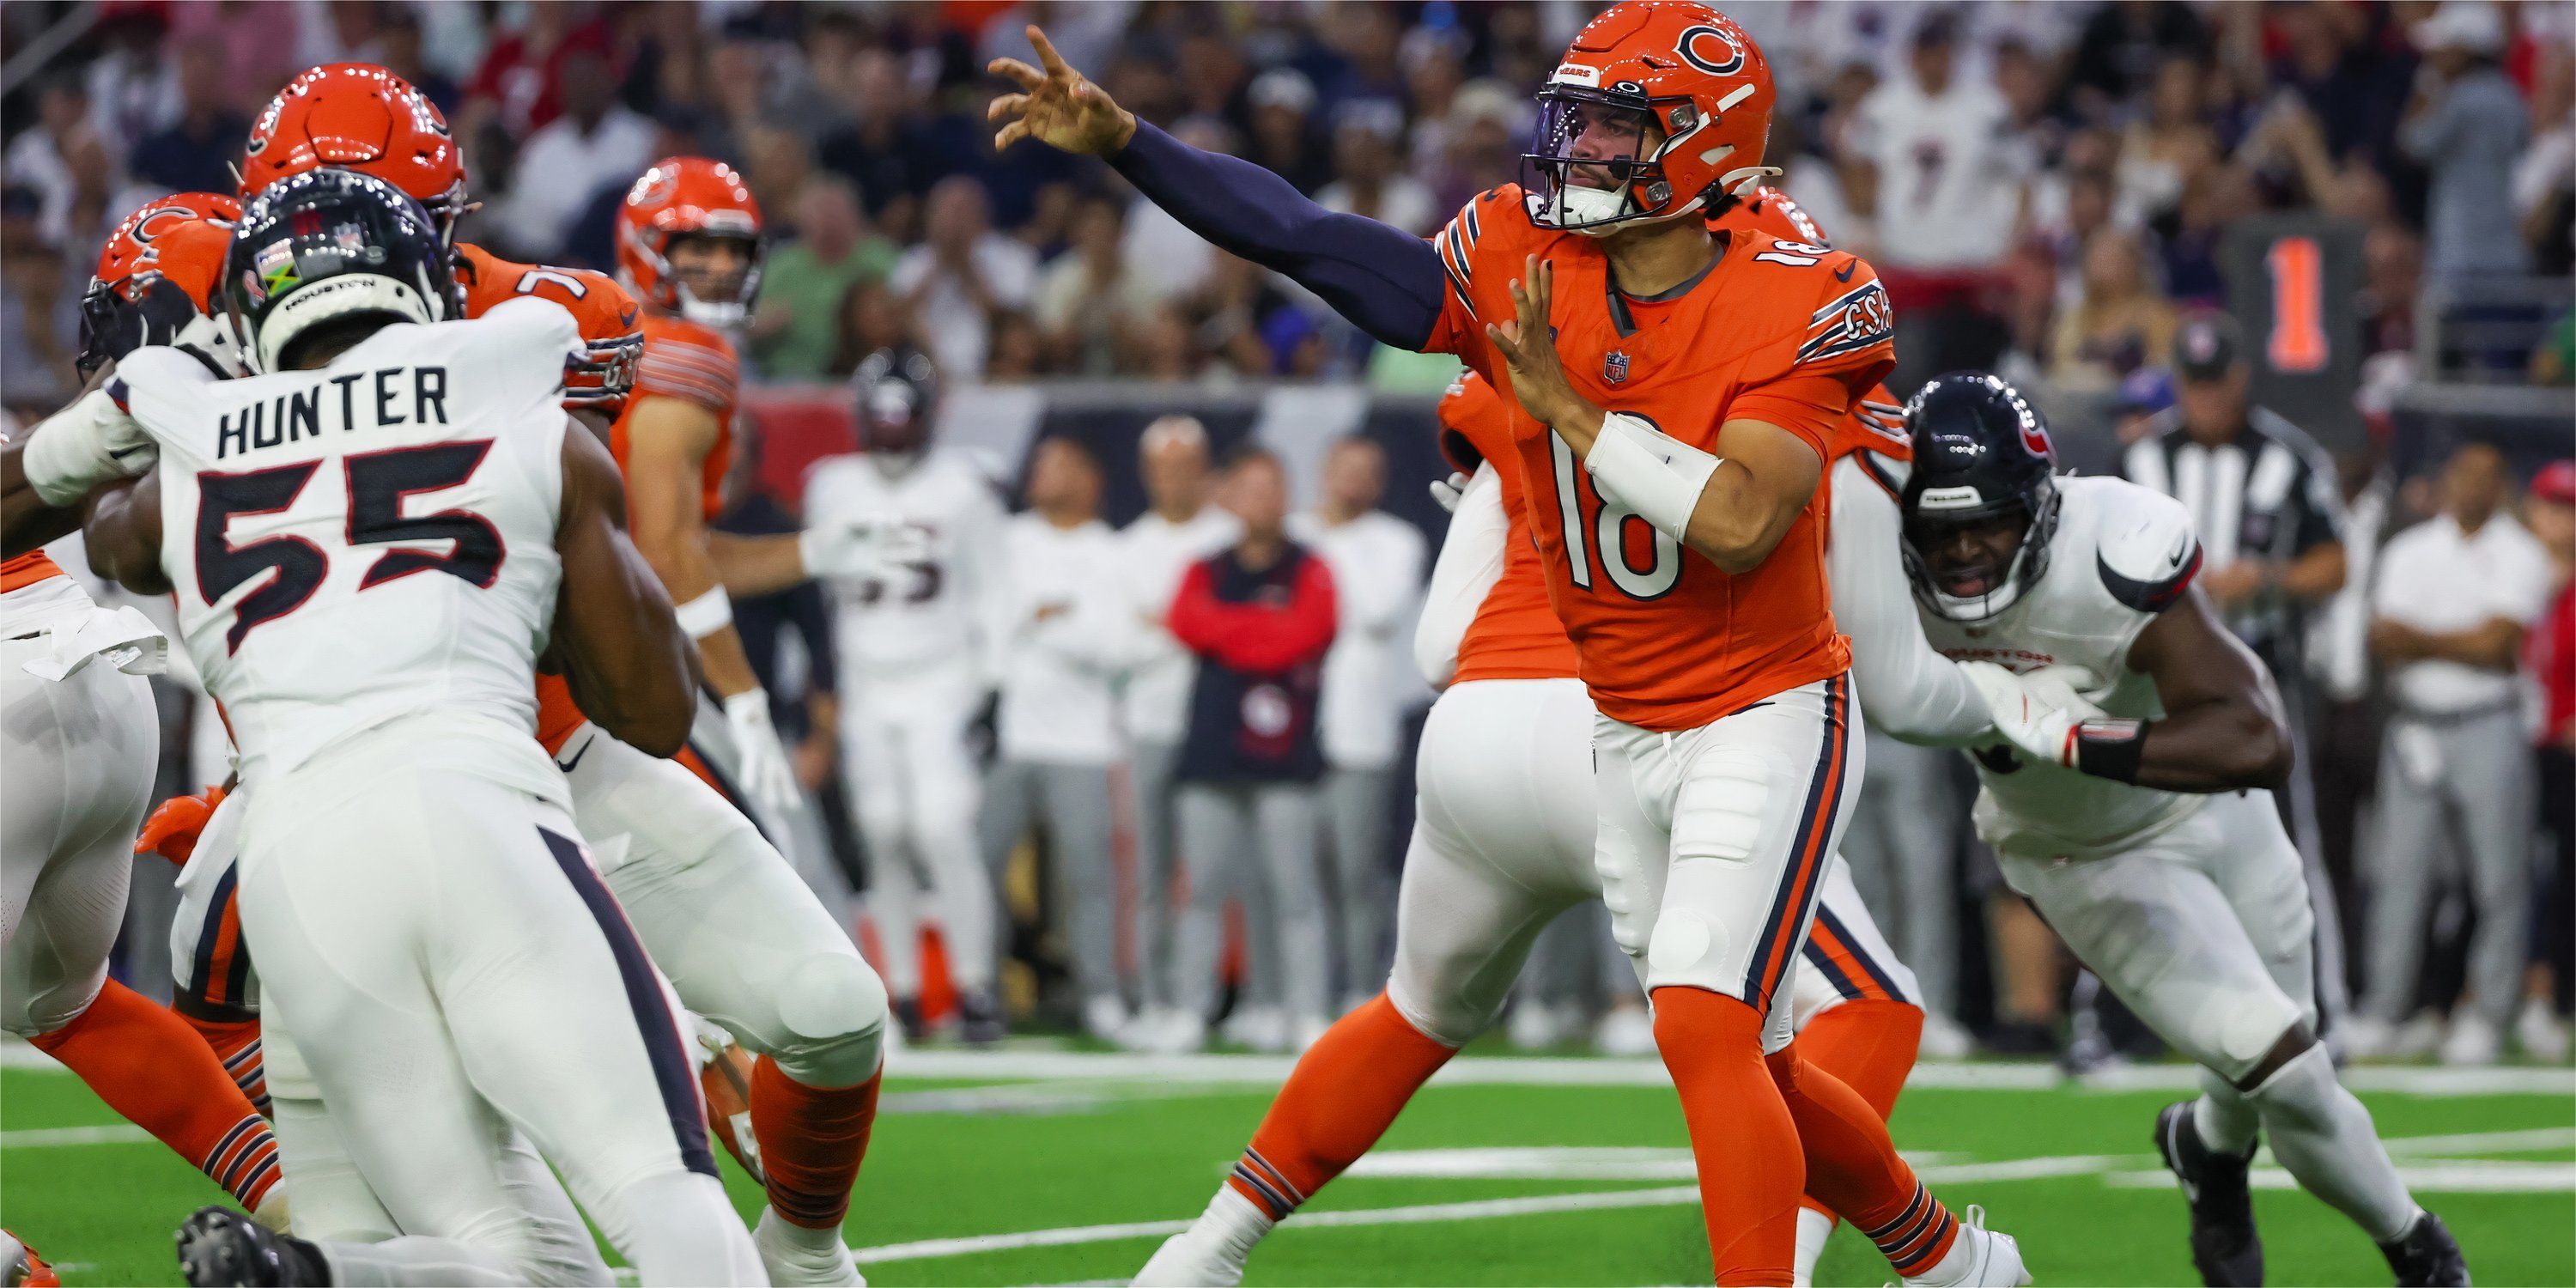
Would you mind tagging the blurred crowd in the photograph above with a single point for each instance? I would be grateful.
(2045, 187)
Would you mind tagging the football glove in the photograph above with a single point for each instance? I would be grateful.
(2039, 713)
(764, 769)
(173, 829)
(1445, 492)
(863, 548)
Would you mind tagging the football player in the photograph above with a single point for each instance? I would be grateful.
(2130, 800)
(1670, 428)
(918, 660)
(435, 937)
(83, 743)
(741, 937)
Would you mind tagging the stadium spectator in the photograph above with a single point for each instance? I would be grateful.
(1258, 617)
(2544, 179)
(520, 85)
(871, 318)
(2466, 125)
(1064, 632)
(398, 45)
(2456, 594)
(2121, 47)
(43, 306)
(804, 282)
(134, 91)
(1377, 562)
(197, 151)
(1090, 298)
(1373, 181)
(2119, 323)
(1281, 137)
(961, 276)
(593, 147)
(887, 148)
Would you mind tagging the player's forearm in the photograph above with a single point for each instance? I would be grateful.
(2494, 646)
(121, 534)
(2214, 747)
(1740, 519)
(26, 522)
(750, 566)
(1385, 280)
(726, 665)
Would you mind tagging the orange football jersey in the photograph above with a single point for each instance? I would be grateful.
(1515, 635)
(694, 363)
(1781, 332)
(608, 317)
(26, 570)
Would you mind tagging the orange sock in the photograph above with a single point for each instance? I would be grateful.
(1854, 1168)
(1869, 1046)
(1340, 1098)
(1743, 1141)
(811, 1142)
(236, 1043)
(146, 1064)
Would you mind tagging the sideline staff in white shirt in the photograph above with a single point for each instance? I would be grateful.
(1376, 561)
(1063, 631)
(2455, 593)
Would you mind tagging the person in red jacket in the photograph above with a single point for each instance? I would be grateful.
(1259, 615)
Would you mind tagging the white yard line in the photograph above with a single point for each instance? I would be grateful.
(56, 1137)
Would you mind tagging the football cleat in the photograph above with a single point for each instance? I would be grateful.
(2426, 1255)
(2225, 1247)
(980, 1020)
(20, 1267)
(1981, 1258)
(221, 1247)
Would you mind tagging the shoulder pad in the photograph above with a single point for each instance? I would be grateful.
(2146, 551)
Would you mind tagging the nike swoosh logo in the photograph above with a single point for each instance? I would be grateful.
(1844, 274)
(628, 317)
(566, 765)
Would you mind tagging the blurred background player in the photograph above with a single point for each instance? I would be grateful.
(918, 658)
(83, 747)
(1063, 634)
(1377, 563)
(1180, 526)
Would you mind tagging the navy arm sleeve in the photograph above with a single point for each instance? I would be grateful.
(1385, 280)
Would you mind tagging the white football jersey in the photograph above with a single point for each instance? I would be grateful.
(933, 611)
(2122, 554)
(368, 540)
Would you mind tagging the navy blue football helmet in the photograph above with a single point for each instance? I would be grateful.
(328, 244)
(1982, 460)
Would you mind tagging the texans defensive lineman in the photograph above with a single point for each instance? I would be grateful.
(1670, 431)
(2131, 803)
(1503, 839)
(435, 938)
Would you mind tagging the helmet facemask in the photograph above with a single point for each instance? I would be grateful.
(1596, 158)
(1930, 527)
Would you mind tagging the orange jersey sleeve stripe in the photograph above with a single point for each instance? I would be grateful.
(26, 570)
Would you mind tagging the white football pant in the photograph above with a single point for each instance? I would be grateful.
(916, 791)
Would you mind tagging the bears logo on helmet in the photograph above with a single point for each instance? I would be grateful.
(182, 238)
(1659, 108)
(358, 116)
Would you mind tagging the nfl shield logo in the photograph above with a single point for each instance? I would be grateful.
(1614, 367)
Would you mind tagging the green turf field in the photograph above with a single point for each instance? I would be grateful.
(1038, 1167)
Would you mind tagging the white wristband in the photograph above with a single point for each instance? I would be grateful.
(705, 615)
(1655, 475)
(75, 449)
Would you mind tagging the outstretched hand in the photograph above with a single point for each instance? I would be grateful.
(1057, 106)
(1528, 348)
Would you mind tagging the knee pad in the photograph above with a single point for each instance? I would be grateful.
(832, 1013)
(2237, 1032)
(1452, 1021)
(1615, 860)
(1690, 948)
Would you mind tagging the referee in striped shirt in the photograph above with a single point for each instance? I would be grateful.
(2263, 498)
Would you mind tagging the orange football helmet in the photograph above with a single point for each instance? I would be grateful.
(687, 197)
(183, 237)
(1770, 210)
(1658, 109)
(361, 117)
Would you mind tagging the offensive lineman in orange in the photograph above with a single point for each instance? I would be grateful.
(1676, 388)
(83, 738)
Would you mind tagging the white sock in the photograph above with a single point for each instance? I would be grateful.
(678, 1228)
(2325, 1138)
(2228, 1122)
(777, 1229)
(799, 1254)
(1237, 1220)
(1814, 1228)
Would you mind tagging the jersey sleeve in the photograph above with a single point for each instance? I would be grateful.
(162, 389)
(1489, 231)
(1835, 341)
(520, 350)
(1906, 688)
(693, 364)
(2146, 558)
(605, 314)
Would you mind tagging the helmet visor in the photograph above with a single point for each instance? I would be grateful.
(1593, 158)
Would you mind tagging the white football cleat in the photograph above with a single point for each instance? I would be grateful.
(1191, 1259)
(1625, 1030)
(1980, 1258)
(2473, 1041)
(2537, 1029)
(1943, 1039)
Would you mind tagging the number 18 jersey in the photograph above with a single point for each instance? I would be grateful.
(1783, 332)
(368, 540)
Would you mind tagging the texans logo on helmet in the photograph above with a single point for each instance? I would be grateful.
(2034, 437)
(1725, 60)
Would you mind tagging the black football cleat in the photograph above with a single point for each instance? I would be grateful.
(980, 1020)
(907, 1015)
(2426, 1255)
(2225, 1247)
(221, 1247)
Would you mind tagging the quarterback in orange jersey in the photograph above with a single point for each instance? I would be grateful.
(83, 741)
(1675, 389)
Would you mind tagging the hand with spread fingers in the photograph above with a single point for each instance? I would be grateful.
(1057, 106)
(1528, 346)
